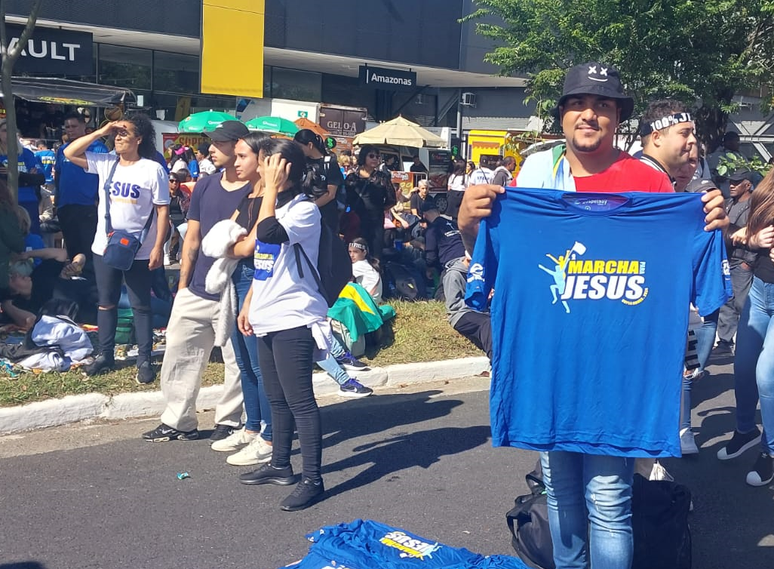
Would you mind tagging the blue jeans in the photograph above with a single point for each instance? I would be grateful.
(754, 363)
(589, 493)
(330, 366)
(257, 406)
(705, 339)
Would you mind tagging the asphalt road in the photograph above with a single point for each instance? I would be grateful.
(96, 496)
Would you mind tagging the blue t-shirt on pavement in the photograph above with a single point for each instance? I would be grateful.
(75, 185)
(27, 163)
(366, 544)
(210, 203)
(46, 160)
(589, 316)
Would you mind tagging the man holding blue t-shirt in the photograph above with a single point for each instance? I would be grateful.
(592, 286)
(76, 193)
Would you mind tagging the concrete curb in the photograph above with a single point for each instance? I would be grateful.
(74, 408)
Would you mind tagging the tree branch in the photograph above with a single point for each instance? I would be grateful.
(12, 55)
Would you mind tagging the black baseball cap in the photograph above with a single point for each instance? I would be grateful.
(594, 78)
(700, 186)
(741, 173)
(228, 130)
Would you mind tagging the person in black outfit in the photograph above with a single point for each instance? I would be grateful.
(327, 169)
(417, 166)
(443, 242)
(419, 198)
(50, 279)
(369, 194)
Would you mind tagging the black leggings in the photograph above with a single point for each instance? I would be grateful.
(453, 202)
(286, 363)
(138, 283)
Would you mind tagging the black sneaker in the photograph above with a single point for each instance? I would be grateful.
(267, 474)
(101, 364)
(221, 432)
(762, 471)
(353, 388)
(739, 443)
(305, 494)
(164, 433)
(146, 373)
(350, 362)
(724, 349)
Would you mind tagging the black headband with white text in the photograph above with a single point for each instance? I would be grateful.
(664, 122)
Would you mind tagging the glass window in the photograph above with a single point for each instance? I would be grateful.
(175, 73)
(128, 67)
(294, 84)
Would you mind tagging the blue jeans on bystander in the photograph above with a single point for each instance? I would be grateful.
(589, 495)
(257, 406)
(754, 363)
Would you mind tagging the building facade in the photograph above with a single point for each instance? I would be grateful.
(313, 53)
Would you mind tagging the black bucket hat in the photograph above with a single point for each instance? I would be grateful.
(594, 78)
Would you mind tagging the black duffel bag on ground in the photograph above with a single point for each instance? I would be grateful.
(662, 536)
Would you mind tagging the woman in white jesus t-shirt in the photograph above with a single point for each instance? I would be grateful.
(138, 188)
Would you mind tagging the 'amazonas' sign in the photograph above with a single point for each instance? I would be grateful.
(388, 79)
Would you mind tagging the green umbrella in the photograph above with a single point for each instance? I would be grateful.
(272, 124)
(203, 122)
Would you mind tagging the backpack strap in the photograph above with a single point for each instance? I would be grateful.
(299, 250)
(106, 188)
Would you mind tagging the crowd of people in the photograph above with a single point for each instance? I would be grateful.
(245, 215)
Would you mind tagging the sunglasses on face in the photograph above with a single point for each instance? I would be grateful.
(372, 156)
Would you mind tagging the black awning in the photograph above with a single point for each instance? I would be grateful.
(67, 92)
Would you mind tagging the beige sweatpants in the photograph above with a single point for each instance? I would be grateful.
(190, 339)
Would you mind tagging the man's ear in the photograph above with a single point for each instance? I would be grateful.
(655, 138)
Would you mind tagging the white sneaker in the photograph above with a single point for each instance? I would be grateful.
(687, 442)
(256, 452)
(234, 441)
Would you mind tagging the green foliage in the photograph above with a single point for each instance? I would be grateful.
(730, 162)
(702, 52)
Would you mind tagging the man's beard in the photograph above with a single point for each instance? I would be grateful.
(587, 146)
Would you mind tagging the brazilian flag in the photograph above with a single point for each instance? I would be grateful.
(357, 311)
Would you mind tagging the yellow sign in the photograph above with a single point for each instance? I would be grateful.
(231, 31)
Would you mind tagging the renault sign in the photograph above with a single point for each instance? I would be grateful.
(53, 52)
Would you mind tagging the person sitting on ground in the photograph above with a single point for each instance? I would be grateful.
(443, 242)
(474, 325)
(365, 269)
(11, 235)
(32, 241)
(29, 290)
(419, 198)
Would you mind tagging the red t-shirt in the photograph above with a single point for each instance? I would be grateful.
(626, 174)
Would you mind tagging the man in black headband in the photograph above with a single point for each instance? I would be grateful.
(668, 137)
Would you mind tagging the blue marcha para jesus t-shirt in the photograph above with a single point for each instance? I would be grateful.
(589, 316)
